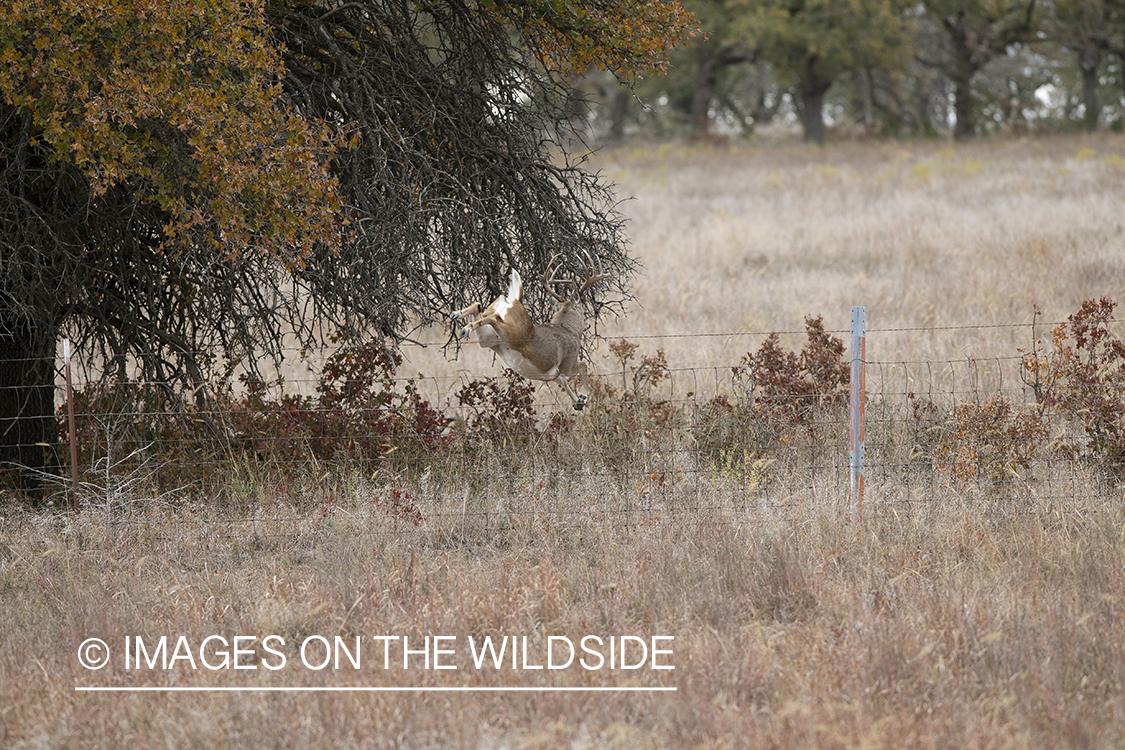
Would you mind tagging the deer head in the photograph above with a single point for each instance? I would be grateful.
(569, 313)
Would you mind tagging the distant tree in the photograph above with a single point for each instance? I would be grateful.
(910, 99)
(1086, 28)
(976, 31)
(1006, 88)
(710, 54)
(600, 106)
(755, 95)
(1096, 25)
(817, 41)
(184, 183)
(703, 69)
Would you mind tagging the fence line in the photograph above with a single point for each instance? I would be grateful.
(1044, 325)
(686, 440)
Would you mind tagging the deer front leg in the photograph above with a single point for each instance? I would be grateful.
(578, 399)
(585, 394)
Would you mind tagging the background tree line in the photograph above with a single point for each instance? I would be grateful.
(892, 67)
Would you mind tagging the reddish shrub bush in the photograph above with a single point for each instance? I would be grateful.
(362, 412)
(776, 393)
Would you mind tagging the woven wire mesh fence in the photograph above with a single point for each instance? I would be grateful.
(656, 441)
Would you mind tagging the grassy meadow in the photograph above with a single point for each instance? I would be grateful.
(990, 615)
(740, 241)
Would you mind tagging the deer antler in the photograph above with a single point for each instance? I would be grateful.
(549, 279)
(594, 274)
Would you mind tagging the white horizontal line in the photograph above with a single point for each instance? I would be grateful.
(371, 689)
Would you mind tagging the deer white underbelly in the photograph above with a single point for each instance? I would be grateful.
(525, 366)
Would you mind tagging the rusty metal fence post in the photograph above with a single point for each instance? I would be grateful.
(70, 428)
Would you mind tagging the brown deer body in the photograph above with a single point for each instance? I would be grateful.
(537, 351)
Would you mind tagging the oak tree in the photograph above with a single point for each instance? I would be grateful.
(710, 55)
(183, 185)
(976, 31)
(150, 178)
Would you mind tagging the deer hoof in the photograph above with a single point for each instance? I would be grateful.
(454, 315)
(581, 402)
(464, 332)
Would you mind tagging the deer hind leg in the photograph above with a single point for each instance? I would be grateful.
(469, 313)
(491, 319)
(472, 311)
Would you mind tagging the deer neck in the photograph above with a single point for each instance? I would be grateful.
(570, 317)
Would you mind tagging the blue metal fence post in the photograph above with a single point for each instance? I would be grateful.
(858, 413)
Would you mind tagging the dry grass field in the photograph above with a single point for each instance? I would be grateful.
(924, 234)
(983, 617)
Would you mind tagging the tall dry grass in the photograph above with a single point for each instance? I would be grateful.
(965, 615)
(948, 624)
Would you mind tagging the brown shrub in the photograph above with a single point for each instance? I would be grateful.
(1082, 378)
(992, 441)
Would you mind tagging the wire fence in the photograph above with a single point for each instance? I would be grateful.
(655, 441)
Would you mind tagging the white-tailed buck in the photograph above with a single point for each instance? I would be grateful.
(537, 351)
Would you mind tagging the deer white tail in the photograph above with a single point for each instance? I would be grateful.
(515, 292)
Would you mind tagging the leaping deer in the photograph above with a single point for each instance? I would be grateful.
(547, 351)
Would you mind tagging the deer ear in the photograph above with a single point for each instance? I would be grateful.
(515, 287)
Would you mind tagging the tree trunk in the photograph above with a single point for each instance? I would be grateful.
(965, 65)
(1089, 58)
(923, 114)
(963, 110)
(863, 78)
(27, 404)
(812, 113)
(618, 108)
(707, 67)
